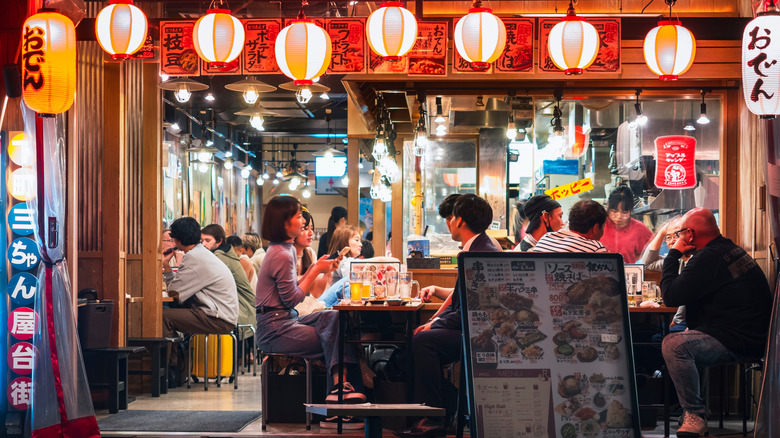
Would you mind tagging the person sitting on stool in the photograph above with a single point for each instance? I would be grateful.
(728, 306)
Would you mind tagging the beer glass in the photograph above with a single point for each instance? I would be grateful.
(405, 285)
(391, 285)
(355, 286)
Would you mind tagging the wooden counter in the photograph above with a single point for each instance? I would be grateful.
(435, 277)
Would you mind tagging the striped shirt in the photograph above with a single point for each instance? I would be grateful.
(567, 241)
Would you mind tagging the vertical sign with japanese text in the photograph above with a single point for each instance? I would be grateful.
(675, 167)
(518, 56)
(259, 54)
(428, 57)
(349, 45)
(608, 58)
(177, 49)
(760, 75)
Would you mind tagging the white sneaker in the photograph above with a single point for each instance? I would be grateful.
(693, 426)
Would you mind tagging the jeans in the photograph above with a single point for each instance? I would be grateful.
(685, 352)
(334, 293)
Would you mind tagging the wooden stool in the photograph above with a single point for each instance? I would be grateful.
(107, 369)
(158, 349)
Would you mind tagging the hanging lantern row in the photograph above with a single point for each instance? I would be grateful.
(218, 37)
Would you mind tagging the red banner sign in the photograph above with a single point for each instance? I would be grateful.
(22, 323)
(177, 49)
(349, 45)
(518, 56)
(675, 162)
(147, 50)
(259, 55)
(608, 59)
(428, 57)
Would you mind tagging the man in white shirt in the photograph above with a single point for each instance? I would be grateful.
(586, 226)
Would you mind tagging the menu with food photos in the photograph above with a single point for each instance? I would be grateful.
(548, 345)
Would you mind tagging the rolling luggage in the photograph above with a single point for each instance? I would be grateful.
(226, 353)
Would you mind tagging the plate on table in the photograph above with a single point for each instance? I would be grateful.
(376, 301)
(394, 302)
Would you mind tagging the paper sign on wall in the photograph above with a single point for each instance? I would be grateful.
(570, 189)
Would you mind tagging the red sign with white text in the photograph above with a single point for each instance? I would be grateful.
(349, 45)
(675, 162)
(20, 358)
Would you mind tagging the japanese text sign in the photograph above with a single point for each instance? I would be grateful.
(177, 49)
(429, 54)
(259, 54)
(608, 58)
(19, 391)
(20, 358)
(22, 323)
(349, 45)
(760, 67)
(675, 162)
(570, 189)
(518, 56)
(22, 288)
(23, 254)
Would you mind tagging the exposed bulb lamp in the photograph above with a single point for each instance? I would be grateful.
(380, 148)
(306, 193)
(303, 95)
(228, 164)
(245, 172)
(204, 156)
(228, 154)
(276, 181)
(260, 181)
(703, 119)
(203, 167)
(250, 89)
(641, 118)
(182, 94)
(210, 97)
(250, 96)
(325, 96)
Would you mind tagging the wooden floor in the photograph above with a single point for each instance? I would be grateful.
(247, 397)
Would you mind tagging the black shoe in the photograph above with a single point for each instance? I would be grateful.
(173, 378)
(426, 427)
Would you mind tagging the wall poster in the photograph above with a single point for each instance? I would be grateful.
(518, 56)
(428, 56)
(259, 54)
(177, 49)
(608, 59)
(548, 345)
(349, 45)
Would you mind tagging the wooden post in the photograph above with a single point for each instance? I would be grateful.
(151, 193)
(379, 228)
(397, 242)
(353, 190)
(114, 188)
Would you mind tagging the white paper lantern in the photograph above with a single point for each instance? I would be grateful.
(480, 37)
(573, 44)
(760, 76)
(391, 31)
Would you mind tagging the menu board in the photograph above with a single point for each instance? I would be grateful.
(177, 49)
(518, 56)
(428, 57)
(548, 345)
(259, 54)
(346, 37)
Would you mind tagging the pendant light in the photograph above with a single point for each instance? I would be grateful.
(218, 36)
(669, 48)
(761, 83)
(703, 119)
(641, 118)
(250, 89)
(182, 88)
(49, 62)
(573, 44)
(480, 36)
(391, 31)
(121, 28)
(303, 52)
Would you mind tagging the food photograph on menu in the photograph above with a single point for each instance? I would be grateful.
(548, 345)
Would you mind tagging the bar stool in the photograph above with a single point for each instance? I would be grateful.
(745, 395)
(206, 359)
(239, 331)
(264, 384)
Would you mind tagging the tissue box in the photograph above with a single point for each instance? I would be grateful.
(419, 245)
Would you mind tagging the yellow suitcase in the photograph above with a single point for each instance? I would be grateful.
(226, 347)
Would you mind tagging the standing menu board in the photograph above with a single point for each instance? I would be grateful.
(548, 345)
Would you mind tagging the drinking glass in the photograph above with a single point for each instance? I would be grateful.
(355, 286)
(405, 285)
(391, 285)
(650, 291)
(368, 282)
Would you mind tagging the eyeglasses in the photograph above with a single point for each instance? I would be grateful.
(677, 233)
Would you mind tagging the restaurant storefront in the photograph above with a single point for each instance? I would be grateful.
(139, 157)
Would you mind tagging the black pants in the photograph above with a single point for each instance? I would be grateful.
(432, 350)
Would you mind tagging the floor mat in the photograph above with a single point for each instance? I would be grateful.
(178, 421)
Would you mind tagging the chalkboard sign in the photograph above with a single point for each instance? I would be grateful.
(548, 345)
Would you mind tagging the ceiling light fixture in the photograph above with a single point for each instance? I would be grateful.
(556, 121)
(210, 97)
(324, 95)
(228, 153)
(641, 118)
(703, 119)
(250, 89)
(228, 164)
(439, 116)
(218, 36)
(246, 171)
(182, 88)
(121, 29)
(669, 48)
(573, 44)
(380, 147)
(480, 36)
(276, 181)
(203, 167)
(391, 31)
(260, 181)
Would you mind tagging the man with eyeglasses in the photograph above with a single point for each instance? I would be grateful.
(728, 306)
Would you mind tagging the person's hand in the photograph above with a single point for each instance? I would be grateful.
(166, 258)
(684, 247)
(325, 266)
(423, 328)
(427, 293)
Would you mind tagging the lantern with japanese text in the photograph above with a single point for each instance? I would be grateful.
(303, 51)
(669, 49)
(218, 37)
(760, 66)
(121, 28)
(391, 31)
(573, 44)
(48, 62)
(480, 36)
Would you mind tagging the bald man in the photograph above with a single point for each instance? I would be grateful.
(728, 304)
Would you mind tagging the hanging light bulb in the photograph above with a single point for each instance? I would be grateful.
(256, 121)
(210, 143)
(511, 130)
(164, 77)
(260, 181)
(641, 118)
(228, 164)
(250, 95)
(265, 175)
(380, 148)
(204, 156)
(210, 97)
(703, 119)
(245, 172)
(422, 139)
(203, 167)
(174, 127)
(303, 95)
(689, 127)
(295, 180)
(325, 95)
(306, 193)
(276, 181)
(182, 93)
(360, 163)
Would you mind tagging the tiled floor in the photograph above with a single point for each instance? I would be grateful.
(247, 397)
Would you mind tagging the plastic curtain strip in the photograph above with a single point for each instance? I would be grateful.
(61, 405)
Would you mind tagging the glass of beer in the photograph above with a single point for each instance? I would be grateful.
(355, 286)
(368, 282)
(405, 285)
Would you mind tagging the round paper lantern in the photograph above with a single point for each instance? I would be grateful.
(303, 51)
(760, 77)
(573, 44)
(48, 62)
(218, 37)
(480, 37)
(391, 31)
(669, 49)
(121, 28)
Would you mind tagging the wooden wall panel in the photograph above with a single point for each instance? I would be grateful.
(134, 139)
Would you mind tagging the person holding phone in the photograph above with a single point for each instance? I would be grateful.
(314, 336)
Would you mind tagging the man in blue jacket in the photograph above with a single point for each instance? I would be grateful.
(438, 342)
(728, 306)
